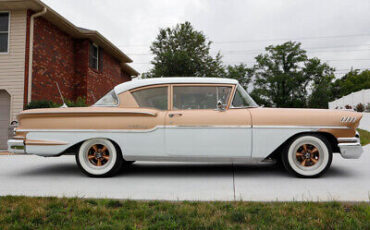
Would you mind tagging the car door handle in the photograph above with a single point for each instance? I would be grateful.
(175, 114)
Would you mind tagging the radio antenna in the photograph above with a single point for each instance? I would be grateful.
(61, 96)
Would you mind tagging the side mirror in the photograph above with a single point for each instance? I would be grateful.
(220, 106)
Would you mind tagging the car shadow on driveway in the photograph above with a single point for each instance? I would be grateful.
(60, 169)
(181, 170)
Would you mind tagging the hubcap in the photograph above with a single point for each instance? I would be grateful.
(98, 155)
(307, 155)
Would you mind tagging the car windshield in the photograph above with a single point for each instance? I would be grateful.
(110, 99)
(242, 99)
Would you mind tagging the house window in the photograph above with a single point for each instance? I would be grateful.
(4, 32)
(94, 56)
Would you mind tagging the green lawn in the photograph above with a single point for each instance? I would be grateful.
(364, 136)
(55, 213)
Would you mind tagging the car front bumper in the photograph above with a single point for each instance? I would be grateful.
(350, 148)
(16, 146)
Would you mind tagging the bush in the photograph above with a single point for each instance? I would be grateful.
(41, 104)
(360, 107)
(348, 107)
(79, 102)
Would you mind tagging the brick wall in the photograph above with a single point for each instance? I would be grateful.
(57, 57)
(100, 82)
(53, 61)
(81, 67)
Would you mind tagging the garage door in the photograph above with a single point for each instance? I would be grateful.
(4, 118)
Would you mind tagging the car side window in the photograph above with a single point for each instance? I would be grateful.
(152, 97)
(199, 97)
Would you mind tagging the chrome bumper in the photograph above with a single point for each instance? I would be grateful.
(16, 146)
(350, 148)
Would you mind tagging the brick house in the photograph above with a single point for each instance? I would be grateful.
(39, 47)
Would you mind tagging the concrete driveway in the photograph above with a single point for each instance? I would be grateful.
(347, 180)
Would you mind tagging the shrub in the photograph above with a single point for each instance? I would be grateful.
(79, 102)
(41, 104)
(360, 107)
(348, 107)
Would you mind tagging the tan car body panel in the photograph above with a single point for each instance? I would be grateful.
(89, 118)
(307, 117)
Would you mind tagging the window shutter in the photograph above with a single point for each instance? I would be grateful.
(100, 59)
(4, 32)
(91, 54)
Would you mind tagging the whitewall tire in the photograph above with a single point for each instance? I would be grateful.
(99, 158)
(308, 156)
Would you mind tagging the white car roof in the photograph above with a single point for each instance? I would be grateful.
(170, 80)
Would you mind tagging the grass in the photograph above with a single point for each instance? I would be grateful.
(75, 213)
(364, 136)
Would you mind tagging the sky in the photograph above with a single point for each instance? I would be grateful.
(336, 31)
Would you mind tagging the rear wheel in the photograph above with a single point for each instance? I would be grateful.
(308, 156)
(99, 158)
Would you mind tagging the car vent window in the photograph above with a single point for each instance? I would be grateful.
(152, 98)
(199, 97)
(242, 99)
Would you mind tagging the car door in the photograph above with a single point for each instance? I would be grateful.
(147, 135)
(196, 128)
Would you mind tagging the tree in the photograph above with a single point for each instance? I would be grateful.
(353, 81)
(183, 51)
(241, 73)
(284, 75)
(321, 92)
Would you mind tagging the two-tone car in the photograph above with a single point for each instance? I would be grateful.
(187, 119)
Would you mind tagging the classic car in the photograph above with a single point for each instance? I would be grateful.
(187, 119)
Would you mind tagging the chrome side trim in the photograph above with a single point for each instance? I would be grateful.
(348, 119)
(348, 140)
(93, 130)
(183, 127)
(46, 143)
(181, 158)
(92, 112)
(208, 127)
(298, 127)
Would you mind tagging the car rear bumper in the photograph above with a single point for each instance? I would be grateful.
(16, 146)
(350, 148)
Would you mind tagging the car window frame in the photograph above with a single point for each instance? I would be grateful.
(242, 107)
(151, 87)
(232, 91)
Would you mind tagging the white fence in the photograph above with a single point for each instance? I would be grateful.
(352, 99)
(365, 122)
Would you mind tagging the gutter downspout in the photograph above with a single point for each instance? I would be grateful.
(30, 57)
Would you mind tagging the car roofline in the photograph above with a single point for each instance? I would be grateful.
(126, 86)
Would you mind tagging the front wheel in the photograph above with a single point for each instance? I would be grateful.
(99, 158)
(308, 156)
